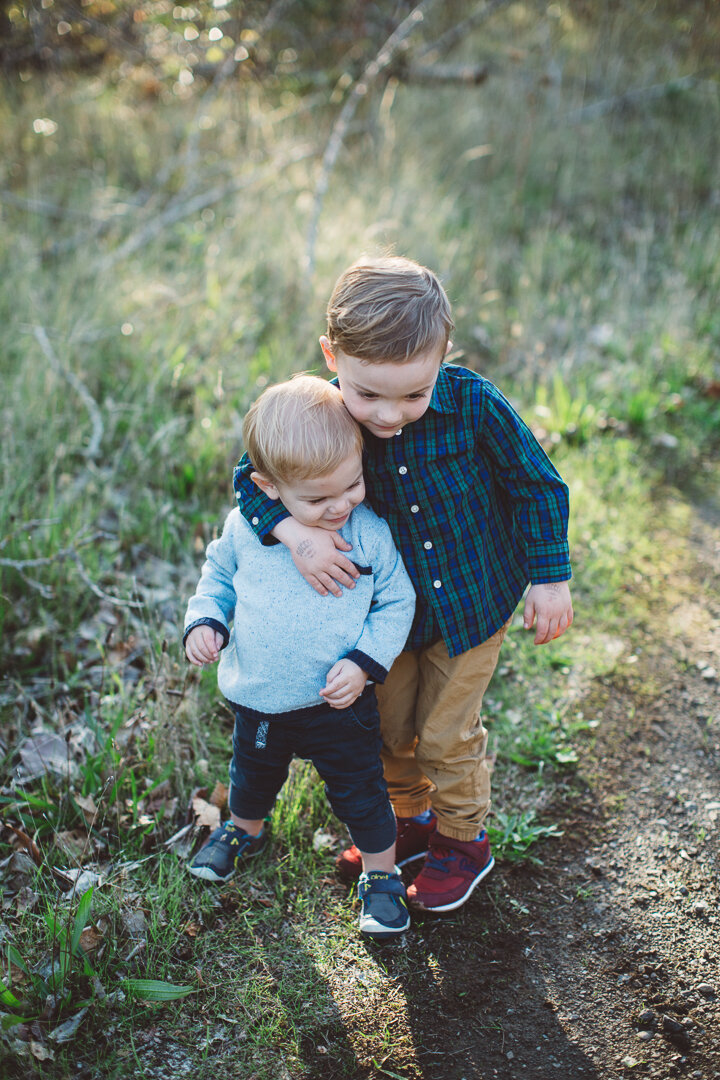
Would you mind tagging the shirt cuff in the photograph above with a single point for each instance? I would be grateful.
(214, 624)
(550, 563)
(375, 671)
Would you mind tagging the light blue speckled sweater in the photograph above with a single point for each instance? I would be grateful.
(285, 637)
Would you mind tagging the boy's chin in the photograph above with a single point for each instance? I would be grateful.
(382, 433)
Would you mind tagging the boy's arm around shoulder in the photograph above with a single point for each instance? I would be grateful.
(317, 554)
(389, 620)
(213, 603)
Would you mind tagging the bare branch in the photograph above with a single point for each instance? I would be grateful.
(337, 135)
(179, 209)
(93, 447)
(436, 74)
(456, 33)
(631, 98)
(70, 552)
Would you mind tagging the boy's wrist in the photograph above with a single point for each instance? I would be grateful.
(214, 624)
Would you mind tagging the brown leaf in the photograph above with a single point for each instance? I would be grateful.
(88, 807)
(29, 844)
(219, 796)
(205, 813)
(90, 939)
(73, 842)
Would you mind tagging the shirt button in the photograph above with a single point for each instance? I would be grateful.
(437, 584)
(414, 508)
(427, 545)
(255, 521)
(402, 470)
(399, 432)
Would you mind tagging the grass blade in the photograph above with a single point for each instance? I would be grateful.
(157, 990)
(80, 919)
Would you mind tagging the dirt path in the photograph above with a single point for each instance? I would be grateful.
(604, 962)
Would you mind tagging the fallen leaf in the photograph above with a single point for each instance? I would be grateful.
(44, 751)
(72, 842)
(205, 813)
(87, 804)
(219, 796)
(90, 939)
(40, 1051)
(29, 844)
(65, 1032)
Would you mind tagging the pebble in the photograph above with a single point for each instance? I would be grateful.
(706, 989)
(672, 1027)
(647, 1019)
(700, 907)
(646, 1036)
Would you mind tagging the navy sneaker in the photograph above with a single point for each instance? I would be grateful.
(384, 911)
(228, 846)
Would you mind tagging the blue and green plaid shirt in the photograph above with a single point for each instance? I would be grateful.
(474, 504)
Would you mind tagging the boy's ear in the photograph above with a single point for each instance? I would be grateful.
(448, 348)
(265, 485)
(328, 353)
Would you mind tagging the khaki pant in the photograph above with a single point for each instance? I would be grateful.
(434, 743)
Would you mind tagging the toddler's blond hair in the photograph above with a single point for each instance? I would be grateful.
(388, 309)
(300, 429)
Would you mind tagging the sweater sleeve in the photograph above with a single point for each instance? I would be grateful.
(388, 623)
(261, 513)
(538, 494)
(214, 599)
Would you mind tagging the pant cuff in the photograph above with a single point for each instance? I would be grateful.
(463, 831)
(412, 809)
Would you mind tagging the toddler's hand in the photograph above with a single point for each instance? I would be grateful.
(552, 605)
(203, 645)
(345, 682)
(317, 553)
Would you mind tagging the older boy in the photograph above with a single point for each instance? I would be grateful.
(478, 511)
(295, 668)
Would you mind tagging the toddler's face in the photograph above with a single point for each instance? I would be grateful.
(385, 397)
(325, 501)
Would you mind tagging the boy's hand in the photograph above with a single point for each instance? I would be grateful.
(345, 682)
(552, 605)
(317, 553)
(203, 645)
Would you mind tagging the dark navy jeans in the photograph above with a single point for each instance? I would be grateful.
(342, 744)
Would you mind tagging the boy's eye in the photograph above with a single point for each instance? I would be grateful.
(416, 397)
(367, 395)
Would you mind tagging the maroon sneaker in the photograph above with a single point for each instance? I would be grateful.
(411, 843)
(452, 870)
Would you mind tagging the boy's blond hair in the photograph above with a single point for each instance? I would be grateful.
(388, 309)
(300, 429)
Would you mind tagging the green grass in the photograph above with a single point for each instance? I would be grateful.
(584, 286)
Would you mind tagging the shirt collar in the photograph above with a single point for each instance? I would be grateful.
(442, 399)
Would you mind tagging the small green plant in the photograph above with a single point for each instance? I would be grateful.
(65, 977)
(512, 835)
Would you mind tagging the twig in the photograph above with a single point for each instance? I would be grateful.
(39, 206)
(35, 523)
(631, 98)
(456, 33)
(340, 127)
(70, 552)
(93, 447)
(434, 74)
(176, 211)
